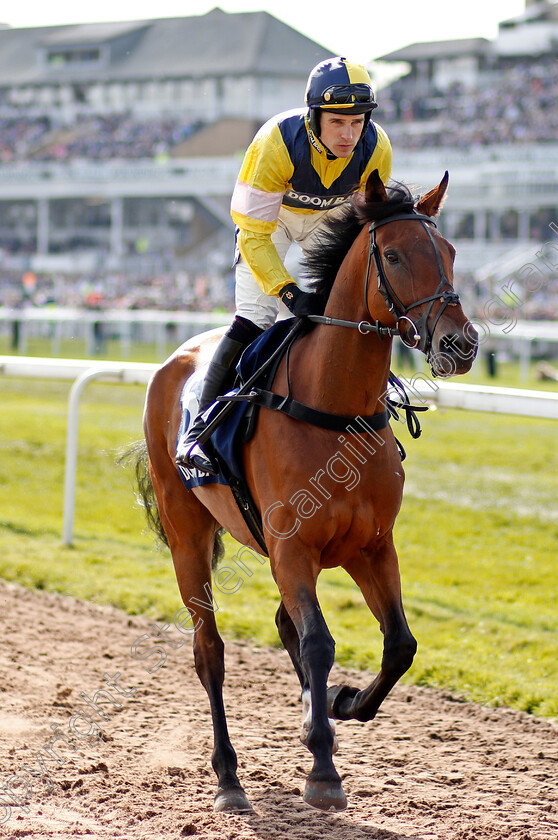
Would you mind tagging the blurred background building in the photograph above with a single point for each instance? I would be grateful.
(119, 147)
(120, 144)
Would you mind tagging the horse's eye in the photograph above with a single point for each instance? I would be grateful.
(391, 256)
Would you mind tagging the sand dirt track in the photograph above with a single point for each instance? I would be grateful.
(429, 768)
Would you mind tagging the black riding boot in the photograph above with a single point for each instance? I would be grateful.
(218, 379)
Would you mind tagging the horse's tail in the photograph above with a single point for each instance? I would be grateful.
(136, 455)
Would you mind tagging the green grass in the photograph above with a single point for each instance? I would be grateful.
(77, 349)
(476, 536)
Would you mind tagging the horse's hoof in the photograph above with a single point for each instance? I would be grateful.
(339, 701)
(232, 801)
(327, 796)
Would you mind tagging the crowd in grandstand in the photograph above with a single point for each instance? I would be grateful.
(170, 291)
(212, 292)
(516, 105)
(99, 137)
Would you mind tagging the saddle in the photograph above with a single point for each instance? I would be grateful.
(232, 420)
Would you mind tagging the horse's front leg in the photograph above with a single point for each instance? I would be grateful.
(289, 636)
(314, 657)
(377, 575)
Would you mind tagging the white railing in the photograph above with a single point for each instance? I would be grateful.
(527, 403)
(542, 404)
(518, 337)
(81, 372)
(61, 322)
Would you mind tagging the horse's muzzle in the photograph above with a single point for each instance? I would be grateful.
(454, 353)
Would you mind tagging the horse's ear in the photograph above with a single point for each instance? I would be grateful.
(375, 190)
(431, 203)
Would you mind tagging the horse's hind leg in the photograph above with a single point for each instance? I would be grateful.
(209, 662)
(190, 530)
(289, 636)
(377, 575)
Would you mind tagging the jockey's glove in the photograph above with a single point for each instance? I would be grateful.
(301, 303)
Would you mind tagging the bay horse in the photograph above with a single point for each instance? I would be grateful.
(340, 367)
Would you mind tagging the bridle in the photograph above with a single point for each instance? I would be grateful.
(421, 332)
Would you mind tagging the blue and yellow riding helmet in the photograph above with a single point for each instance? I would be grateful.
(338, 86)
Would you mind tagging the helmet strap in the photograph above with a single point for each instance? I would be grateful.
(314, 121)
(367, 118)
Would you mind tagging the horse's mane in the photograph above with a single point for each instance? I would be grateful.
(323, 261)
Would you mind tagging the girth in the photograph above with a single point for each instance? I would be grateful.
(306, 414)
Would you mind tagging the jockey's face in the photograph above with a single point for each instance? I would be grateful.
(340, 132)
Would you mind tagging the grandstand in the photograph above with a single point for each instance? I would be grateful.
(120, 144)
(488, 112)
(119, 147)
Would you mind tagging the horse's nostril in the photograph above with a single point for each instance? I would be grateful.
(448, 341)
(457, 344)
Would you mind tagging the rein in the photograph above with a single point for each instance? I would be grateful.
(363, 327)
(422, 335)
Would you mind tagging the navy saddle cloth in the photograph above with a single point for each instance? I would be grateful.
(228, 437)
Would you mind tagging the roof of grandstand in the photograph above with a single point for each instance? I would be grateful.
(541, 11)
(213, 44)
(87, 33)
(440, 49)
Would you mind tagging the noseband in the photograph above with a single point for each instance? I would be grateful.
(422, 334)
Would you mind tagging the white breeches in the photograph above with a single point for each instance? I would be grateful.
(251, 302)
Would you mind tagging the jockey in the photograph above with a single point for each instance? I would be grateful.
(300, 167)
